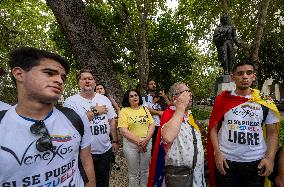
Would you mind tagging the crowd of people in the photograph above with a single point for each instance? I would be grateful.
(75, 145)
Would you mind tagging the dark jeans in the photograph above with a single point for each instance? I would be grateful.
(113, 155)
(102, 168)
(240, 174)
(154, 136)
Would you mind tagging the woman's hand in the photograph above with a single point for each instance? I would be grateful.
(143, 145)
(143, 142)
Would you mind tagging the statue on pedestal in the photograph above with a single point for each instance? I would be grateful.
(224, 37)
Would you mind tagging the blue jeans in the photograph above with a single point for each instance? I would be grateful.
(240, 174)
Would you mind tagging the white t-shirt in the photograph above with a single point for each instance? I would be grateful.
(100, 127)
(21, 164)
(147, 100)
(241, 135)
(155, 117)
(4, 106)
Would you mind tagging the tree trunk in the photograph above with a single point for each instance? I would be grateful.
(143, 59)
(139, 37)
(85, 41)
(259, 31)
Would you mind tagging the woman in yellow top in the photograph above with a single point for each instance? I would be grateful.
(136, 126)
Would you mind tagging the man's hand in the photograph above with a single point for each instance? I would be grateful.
(162, 93)
(279, 181)
(220, 163)
(268, 165)
(115, 147)
(101, 109)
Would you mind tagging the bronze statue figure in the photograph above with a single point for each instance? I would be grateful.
(224, 36)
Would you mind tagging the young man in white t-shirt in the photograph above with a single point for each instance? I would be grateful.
(39, 146)
(242, 156)
(101, 115)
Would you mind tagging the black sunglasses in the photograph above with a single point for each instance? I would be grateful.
(44, 143)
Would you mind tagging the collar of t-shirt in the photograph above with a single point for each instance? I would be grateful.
(235, 94)
(33, 120)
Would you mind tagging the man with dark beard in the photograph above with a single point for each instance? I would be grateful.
(155, 108)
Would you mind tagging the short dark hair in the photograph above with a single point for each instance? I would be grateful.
(243, 62)
(29, 57)
(83, 71)
(125, 99)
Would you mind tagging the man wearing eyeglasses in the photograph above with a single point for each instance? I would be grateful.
(101, 115)
(237, 149)
(39, 145)
(180, 138)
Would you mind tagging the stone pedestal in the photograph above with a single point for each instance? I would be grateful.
(225, 83)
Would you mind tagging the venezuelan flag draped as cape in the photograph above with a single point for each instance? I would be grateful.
(156, 173)
(223, 103)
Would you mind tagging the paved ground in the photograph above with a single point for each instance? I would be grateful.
(119, 178)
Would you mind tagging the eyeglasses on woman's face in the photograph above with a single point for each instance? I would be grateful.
(178, 93)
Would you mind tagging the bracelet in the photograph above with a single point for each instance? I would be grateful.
(114, 141)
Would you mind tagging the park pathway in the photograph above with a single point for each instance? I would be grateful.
(119, 178)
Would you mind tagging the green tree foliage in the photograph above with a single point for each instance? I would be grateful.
(170, 52)
(272, 55)
(173, 37)
(245, 16)
(172, 56)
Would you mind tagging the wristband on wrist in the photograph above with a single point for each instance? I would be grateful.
(114, 141)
